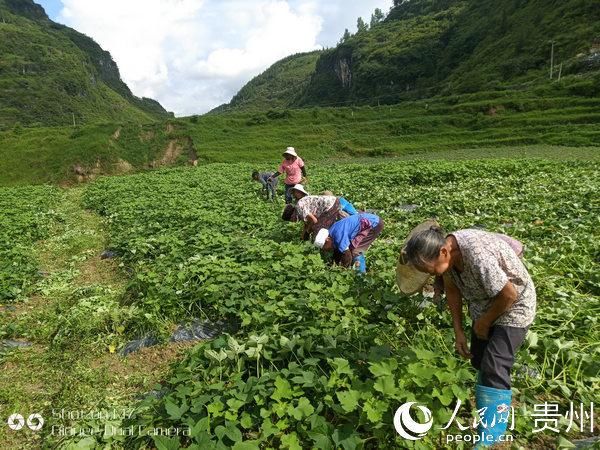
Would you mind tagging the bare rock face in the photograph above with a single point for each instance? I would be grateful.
(343, 72)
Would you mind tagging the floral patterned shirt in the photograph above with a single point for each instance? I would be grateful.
(316, 205)
(489, 263)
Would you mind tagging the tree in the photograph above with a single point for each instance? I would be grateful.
(346, 36)
(361, 25)
(377, 17)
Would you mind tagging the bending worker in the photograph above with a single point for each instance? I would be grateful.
(316, 211)
(294, 170)
(269, 188)
(482, 268)
(350, 238)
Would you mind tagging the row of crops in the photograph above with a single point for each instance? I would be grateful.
(315, 357)
(25, 216)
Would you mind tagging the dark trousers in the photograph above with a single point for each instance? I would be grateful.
(288, 193)
(495, 357)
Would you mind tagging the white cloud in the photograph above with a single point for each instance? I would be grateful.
(193, 55)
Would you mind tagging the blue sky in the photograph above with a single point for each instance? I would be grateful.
(193, 55)
(52, 7)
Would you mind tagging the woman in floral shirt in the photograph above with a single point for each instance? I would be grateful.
(482, 268)
(316, 211)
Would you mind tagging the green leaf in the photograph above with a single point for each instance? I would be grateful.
(346, 438)
(233, 432)
(235, 404)
(348, 399)
(220, 431)
(174, 411)
(383, 368)
(215, 408)
(386, 385)
(290, 441)
(246, 420)
(445, 377)
(283, 389)
(304, 409)
(88, 443)
(375, 410)
(423, 354)
(342, 366)
(166, 443)
(321, 441)
(421, 371)
(247, 445)
(532, 339)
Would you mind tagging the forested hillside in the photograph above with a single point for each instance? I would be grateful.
(53, 75)
(428, 47)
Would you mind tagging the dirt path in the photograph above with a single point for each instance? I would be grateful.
(69, 327)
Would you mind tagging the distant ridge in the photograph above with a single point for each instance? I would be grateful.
(425, 48)
(52, 75)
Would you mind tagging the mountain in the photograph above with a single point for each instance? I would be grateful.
(53, 75)
(428, 47)
(278, 86)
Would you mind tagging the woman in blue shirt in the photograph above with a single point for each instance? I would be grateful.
(350, 238)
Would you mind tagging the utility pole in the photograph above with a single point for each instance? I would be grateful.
(552, 61)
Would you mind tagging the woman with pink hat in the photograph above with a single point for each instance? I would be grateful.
(294, 170)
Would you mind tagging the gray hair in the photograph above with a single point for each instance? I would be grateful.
(424, 247)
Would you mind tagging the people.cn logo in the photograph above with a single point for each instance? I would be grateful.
(17, 421)
(407, 427)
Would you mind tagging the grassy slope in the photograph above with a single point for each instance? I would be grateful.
(446, 126)
(50, 73)
(42, 155)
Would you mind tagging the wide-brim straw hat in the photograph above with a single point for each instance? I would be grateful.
(290, 151)
(408, 278)
(300, 188)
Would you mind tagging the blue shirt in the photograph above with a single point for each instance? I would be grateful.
(347, 207)
(344, 231)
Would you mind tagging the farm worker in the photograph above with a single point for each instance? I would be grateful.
(269, 188)
(294, 170)
(347, 207)
(482, 268)
(316, 211)
(350, 238)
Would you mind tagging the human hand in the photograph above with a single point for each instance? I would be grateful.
(481, 328)
(461, 345)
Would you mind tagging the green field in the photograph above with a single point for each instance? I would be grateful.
(121, 223)
(314, 357)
